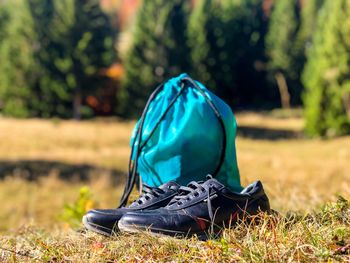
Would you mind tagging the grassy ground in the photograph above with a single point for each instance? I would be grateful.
(43, 164)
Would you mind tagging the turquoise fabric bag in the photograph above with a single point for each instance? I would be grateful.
(185, 132)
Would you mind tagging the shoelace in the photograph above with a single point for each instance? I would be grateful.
(147, 193)
(193, 189)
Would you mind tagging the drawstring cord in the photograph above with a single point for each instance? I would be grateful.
(131, 177)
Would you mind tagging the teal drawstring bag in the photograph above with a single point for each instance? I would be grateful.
(185, 132)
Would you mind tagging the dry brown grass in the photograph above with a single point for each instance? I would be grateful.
(300, 175)
(97, 142)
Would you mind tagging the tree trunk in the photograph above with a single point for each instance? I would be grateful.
(346, 103)
(283, 89)
(77, 104)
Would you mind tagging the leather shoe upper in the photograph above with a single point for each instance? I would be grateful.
(106, 220)
(197, 207)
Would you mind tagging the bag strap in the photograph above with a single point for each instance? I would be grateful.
(132, 170)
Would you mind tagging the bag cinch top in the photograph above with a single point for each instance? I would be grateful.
(185, 132)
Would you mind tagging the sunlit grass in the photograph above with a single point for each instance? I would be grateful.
(318, 236)
(300, 176)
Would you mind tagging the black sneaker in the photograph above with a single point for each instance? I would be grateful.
(198, 208)
(104, 221)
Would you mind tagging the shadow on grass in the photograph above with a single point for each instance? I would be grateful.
(259, 133)
(32, 170)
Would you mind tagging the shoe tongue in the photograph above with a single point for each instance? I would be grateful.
(169, 185)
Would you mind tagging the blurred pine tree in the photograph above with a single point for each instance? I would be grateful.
(309, 14)
(17, 60)
(303, 42)
(326, 75)
(3, 20)
(227, 43)
(284, 51)
(76, 42)
(52, 54)
(159, 51)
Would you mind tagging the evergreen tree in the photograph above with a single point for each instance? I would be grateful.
(3, 20)
(227, 43)
(51, 56)
(303, 42)
(76, 43)
(284, 63)
(326, 76)
(201, 17)
(309, 14)
(158, 51)
(18, 66)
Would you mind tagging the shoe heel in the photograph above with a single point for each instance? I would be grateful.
(261, 205)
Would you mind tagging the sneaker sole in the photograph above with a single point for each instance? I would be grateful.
(203, 235)
(97, 228)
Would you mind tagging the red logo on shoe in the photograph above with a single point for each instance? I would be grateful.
(201, 223)
(233, 216)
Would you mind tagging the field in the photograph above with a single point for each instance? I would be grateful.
(44, 163)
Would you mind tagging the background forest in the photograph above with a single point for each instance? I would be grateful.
(79, 59)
